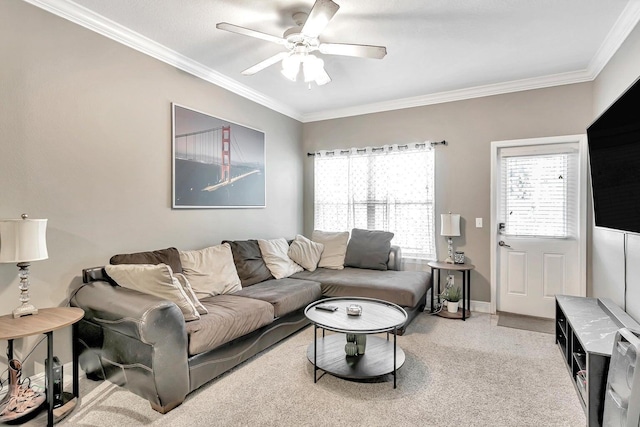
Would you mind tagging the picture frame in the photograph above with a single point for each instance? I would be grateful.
(216, 163)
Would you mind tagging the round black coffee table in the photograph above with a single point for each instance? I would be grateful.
(382, 356)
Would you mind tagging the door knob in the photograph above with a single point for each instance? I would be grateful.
(502, 243)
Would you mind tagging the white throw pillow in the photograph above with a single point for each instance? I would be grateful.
(154, 280)
(184, 282)
(305, 252)
(274, 253)
(335, 248)
(211, 271)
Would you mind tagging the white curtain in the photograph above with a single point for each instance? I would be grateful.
(387, 188)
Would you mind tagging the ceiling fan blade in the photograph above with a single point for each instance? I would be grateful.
(359, 50)
(264, 64)
(251, 33)
(319, 17)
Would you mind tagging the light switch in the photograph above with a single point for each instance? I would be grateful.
(478, 222)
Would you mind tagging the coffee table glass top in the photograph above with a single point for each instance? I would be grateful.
(377, 315)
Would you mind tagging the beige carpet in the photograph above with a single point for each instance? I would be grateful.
(469, 373)
(528, 323)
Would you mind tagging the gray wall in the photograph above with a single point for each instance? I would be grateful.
(608, 254)
(463, 167)
(85, 141)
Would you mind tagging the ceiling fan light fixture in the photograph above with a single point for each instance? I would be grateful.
(291, 66)
(323, 78)
(312, 67)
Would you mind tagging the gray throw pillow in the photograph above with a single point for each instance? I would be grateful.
(368, 249)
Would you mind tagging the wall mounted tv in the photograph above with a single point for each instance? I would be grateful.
(614, 154)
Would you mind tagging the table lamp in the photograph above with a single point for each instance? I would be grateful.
(449, 227)
(22, 241)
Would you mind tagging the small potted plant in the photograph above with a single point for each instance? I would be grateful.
(453, 299)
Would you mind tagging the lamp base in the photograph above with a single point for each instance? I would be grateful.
(24, 310)
(449, 259)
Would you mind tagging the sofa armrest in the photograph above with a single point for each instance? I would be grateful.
(135, 314)
(155, 332)
(395, 258)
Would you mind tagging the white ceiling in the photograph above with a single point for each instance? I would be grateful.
(438, 50)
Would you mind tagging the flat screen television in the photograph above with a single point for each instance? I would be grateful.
(614, 155)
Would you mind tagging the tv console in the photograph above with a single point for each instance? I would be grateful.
(585, 333)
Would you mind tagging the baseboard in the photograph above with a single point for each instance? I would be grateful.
(481, 306)
(477, 306)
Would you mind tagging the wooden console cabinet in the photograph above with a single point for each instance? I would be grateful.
(585, 333)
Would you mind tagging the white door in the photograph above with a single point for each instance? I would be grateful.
(539, 217)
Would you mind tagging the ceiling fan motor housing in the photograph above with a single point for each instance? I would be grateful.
(295, 38)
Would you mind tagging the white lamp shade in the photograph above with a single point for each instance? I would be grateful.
(23, 240)
(450, 224)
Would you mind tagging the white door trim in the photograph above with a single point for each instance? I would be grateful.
(582, 231)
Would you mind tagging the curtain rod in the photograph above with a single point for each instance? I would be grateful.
(361, 150)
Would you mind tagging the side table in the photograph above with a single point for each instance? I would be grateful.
(45, 322)
(465, 269)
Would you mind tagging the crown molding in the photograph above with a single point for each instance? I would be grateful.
(625, 24)
(82, 16)
(454, 95)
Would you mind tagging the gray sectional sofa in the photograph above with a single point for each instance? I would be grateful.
(142, 342)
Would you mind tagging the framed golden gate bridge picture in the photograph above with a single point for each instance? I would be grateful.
(216, 163)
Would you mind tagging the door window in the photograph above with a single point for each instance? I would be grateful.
(539, 194)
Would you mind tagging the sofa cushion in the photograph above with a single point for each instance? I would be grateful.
(286, 295)
(169, 256)
(274, 252)
(335, 248)
(249, 263)
(405, 288)
(211, 270)
(154, 280)
(305, 252)
(368, 249)
(229, 317)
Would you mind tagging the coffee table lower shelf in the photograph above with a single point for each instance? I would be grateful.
(377, 360)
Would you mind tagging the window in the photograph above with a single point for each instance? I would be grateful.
(539, 194)
(389, 188)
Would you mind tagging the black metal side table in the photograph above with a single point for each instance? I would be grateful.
(465, 269)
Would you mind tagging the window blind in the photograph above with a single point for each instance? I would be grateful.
(389, 188)
(539, 195)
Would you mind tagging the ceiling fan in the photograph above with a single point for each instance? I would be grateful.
(301, 41)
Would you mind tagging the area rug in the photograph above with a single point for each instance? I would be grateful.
(456, 373)
(528, 323)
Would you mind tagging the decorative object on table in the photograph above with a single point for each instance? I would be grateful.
(450, 227)
(356, 344)
(453, 299)
(458, 257)
(20, 400)
(23, 241)
(351, 349)
(361, 342)
(354, 310)
(216, 163)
